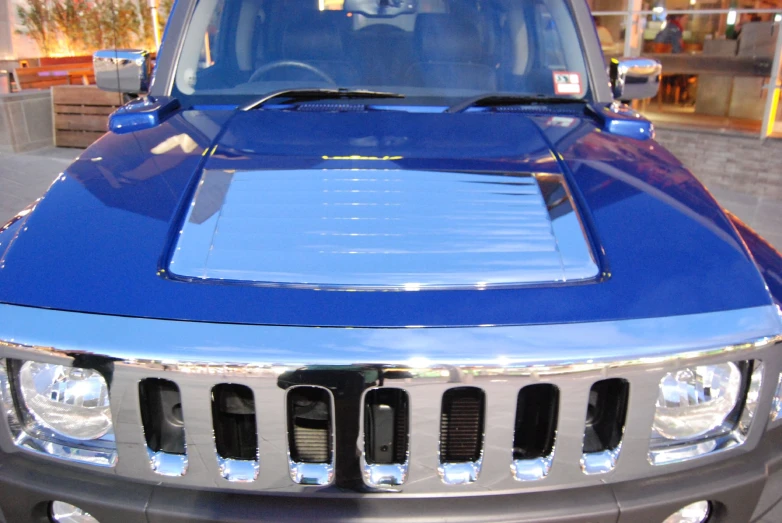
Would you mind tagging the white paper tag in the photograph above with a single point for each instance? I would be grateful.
(566, 82)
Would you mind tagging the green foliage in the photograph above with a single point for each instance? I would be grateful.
(66, 20)
(122, 23)
(83, 26)
(34, 18)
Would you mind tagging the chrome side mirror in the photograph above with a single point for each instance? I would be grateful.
(122, 70)
(634, 78)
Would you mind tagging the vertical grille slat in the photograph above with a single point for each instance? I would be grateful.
(386, 426)
(606, 413)
(461, 425)
(310, 426)
(161, 416)
(233, 418)
(537, 410)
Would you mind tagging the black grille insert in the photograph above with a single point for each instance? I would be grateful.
(233, 418)
(386, 426)
(161, 415)
(461, 425)
(606, 412)
(310, 426)
(536, 421)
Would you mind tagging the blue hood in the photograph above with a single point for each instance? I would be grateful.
(101, 239)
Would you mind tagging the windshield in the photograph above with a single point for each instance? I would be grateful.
(432, 51)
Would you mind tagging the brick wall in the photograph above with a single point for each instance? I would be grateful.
(738, 162)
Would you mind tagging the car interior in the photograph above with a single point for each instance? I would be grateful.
(432, 45)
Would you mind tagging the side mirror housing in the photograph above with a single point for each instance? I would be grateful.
(635, 78)
(122, 70)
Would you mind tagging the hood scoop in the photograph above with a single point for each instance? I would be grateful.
(382, 229)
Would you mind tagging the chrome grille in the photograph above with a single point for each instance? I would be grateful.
(426, 382)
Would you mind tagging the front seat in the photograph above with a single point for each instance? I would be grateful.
(449, 54)
(316, 40)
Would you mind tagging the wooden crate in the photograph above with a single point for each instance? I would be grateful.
(65, 60)
(50, 75)
(81, 114)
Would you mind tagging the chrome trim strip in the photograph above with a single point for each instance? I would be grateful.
(600, 462)
(167, 464)
(214, 348)
(460, 473)
(316, 474)
(384, 475)
(532, 469)
(239, 470)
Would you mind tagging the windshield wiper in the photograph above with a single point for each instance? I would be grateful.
(317, 94)
(498, 99)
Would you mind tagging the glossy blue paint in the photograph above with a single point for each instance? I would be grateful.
(100, 240)
(142, 113)
(622, 120)
(768, 259)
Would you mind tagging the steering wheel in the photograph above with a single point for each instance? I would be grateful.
(278, 64)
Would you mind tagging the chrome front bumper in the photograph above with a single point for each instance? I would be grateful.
(499, 360)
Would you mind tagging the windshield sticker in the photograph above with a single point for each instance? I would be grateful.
(567, 83)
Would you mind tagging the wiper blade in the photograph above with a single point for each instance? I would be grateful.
(317, 94)
(498, 99)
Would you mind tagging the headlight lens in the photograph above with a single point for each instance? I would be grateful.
(776, 406)
(71, 401)
(695, 401)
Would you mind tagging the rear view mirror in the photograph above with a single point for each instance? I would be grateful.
(381, 8)
(122, 70)
(635, 78)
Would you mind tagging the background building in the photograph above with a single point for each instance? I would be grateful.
(727, 74)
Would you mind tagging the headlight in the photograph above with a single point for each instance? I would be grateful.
(70, 401)
(695, 401)
(776, 406)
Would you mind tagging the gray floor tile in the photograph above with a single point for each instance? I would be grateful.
(55, 153)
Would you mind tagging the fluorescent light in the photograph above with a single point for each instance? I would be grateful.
(731, 17)
(778, 18)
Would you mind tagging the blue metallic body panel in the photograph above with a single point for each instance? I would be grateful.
(99, 240)
(768, 259)
(622, 120)
(142, 113)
